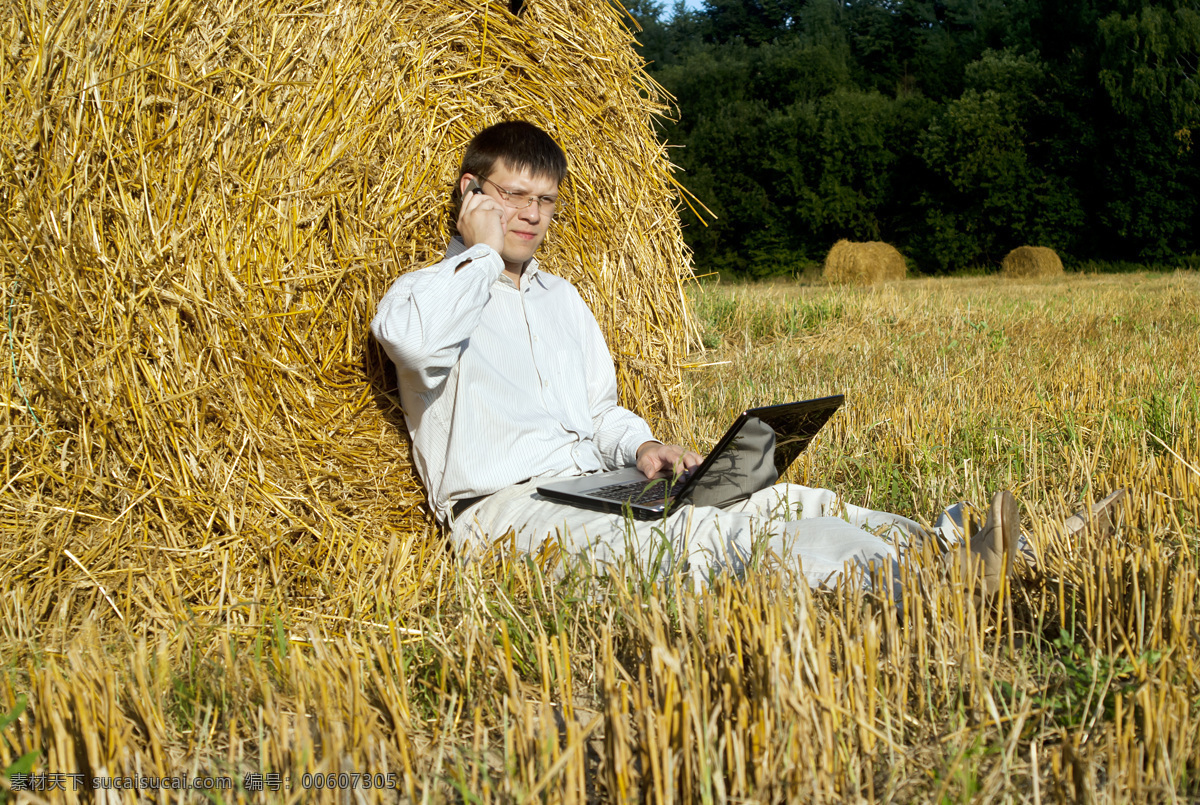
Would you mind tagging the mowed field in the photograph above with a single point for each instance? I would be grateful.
(513, 680)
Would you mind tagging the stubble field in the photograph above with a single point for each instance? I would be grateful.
(513, 679)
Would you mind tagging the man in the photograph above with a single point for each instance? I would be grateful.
(506, 381)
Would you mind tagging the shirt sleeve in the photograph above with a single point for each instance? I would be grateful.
(619, 432)
(426, 317)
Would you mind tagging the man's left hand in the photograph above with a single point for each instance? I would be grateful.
(658, 460)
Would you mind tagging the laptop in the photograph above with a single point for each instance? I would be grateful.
(756, 450)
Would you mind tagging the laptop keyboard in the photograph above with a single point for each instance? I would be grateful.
(634, 491)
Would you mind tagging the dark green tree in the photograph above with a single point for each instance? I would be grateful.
(751, 22)
(988, 191)
(956, 129)
(1149, 58)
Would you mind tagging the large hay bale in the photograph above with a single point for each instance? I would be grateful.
(863, 263)
(202, 204)
(1031, 261)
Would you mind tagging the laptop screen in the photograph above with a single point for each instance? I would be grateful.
(758, 449)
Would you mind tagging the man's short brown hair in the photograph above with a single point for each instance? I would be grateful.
(521, 145)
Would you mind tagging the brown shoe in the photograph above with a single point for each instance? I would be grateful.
(1102, 517)
(995, 545)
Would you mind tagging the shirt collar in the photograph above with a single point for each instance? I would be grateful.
(457, 247)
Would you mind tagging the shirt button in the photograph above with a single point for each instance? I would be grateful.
(545, 384)
(535, 338)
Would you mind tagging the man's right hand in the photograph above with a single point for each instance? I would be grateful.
(481, 218)
(657, 460)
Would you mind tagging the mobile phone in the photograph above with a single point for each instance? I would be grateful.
(473, 186)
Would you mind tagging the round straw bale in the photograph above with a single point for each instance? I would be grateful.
(863, 263)
(1031, 261)
(203, 204)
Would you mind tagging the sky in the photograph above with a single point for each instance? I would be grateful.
(667, 5)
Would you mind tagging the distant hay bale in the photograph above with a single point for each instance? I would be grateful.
(203, 204)
(863, 263)
(1031, 261)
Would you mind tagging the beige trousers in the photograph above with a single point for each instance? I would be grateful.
(811, 528)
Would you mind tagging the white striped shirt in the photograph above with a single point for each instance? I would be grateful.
(500, 385)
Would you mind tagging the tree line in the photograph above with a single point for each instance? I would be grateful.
(953, 129)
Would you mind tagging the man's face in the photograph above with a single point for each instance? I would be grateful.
(526, 227)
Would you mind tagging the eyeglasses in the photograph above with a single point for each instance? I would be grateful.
(515, 201)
